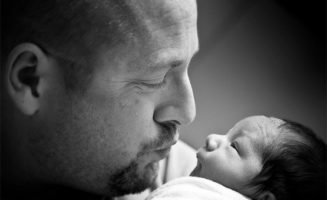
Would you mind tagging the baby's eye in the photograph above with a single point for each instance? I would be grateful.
(234, 145)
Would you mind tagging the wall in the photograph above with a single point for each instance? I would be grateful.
(256, 57)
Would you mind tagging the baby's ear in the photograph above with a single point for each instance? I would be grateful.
(266, 195)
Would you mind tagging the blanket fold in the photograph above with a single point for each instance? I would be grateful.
(194, 188)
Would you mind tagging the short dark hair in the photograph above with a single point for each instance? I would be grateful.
(294, 165)
(71, 29)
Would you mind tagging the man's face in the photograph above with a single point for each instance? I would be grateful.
(110, 139)
(234, 159)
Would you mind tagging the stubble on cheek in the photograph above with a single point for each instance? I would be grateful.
(126, 138)
(136, 177)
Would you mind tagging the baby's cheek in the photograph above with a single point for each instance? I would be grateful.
(210, 169)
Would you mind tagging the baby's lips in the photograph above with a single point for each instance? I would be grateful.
(201, 154)
(196, 170)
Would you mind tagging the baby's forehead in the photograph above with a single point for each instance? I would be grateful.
(259, 131)
(265, 126)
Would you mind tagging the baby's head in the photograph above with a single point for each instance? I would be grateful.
(266, 158)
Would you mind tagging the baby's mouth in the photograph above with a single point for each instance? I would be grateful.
(196, 170)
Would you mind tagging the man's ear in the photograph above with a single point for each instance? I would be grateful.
(24, 68)
(267, 195)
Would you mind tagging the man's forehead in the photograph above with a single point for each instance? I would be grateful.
(157, 14)
(157, 31)
(169, 9)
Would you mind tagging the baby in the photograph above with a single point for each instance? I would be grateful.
(265, 158)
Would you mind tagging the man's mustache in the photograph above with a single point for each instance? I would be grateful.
(166, 136)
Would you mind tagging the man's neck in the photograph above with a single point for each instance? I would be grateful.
(49, 192)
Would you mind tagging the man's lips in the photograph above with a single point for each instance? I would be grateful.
(166, 146)
(164, 150)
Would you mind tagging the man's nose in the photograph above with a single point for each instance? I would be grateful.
(178, 104)
(213, 141)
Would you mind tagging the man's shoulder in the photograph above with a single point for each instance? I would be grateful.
(181, 161)
(182, 147)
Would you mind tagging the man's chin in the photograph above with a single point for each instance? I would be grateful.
(132, 179)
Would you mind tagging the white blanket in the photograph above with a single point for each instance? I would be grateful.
(194, 188)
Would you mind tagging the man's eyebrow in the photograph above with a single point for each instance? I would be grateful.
(164, 65)
(161, 61)
(151, 67)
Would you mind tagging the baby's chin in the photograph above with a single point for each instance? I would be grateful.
(196, 171)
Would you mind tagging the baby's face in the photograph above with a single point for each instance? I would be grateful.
(234, 159)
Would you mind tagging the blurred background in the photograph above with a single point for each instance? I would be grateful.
(258, 57)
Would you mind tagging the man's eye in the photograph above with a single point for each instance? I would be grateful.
(155, 85)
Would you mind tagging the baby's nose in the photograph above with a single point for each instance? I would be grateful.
(212, 142)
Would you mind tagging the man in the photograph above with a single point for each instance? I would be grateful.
(93, 92)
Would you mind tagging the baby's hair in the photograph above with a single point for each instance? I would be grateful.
(294, 165)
